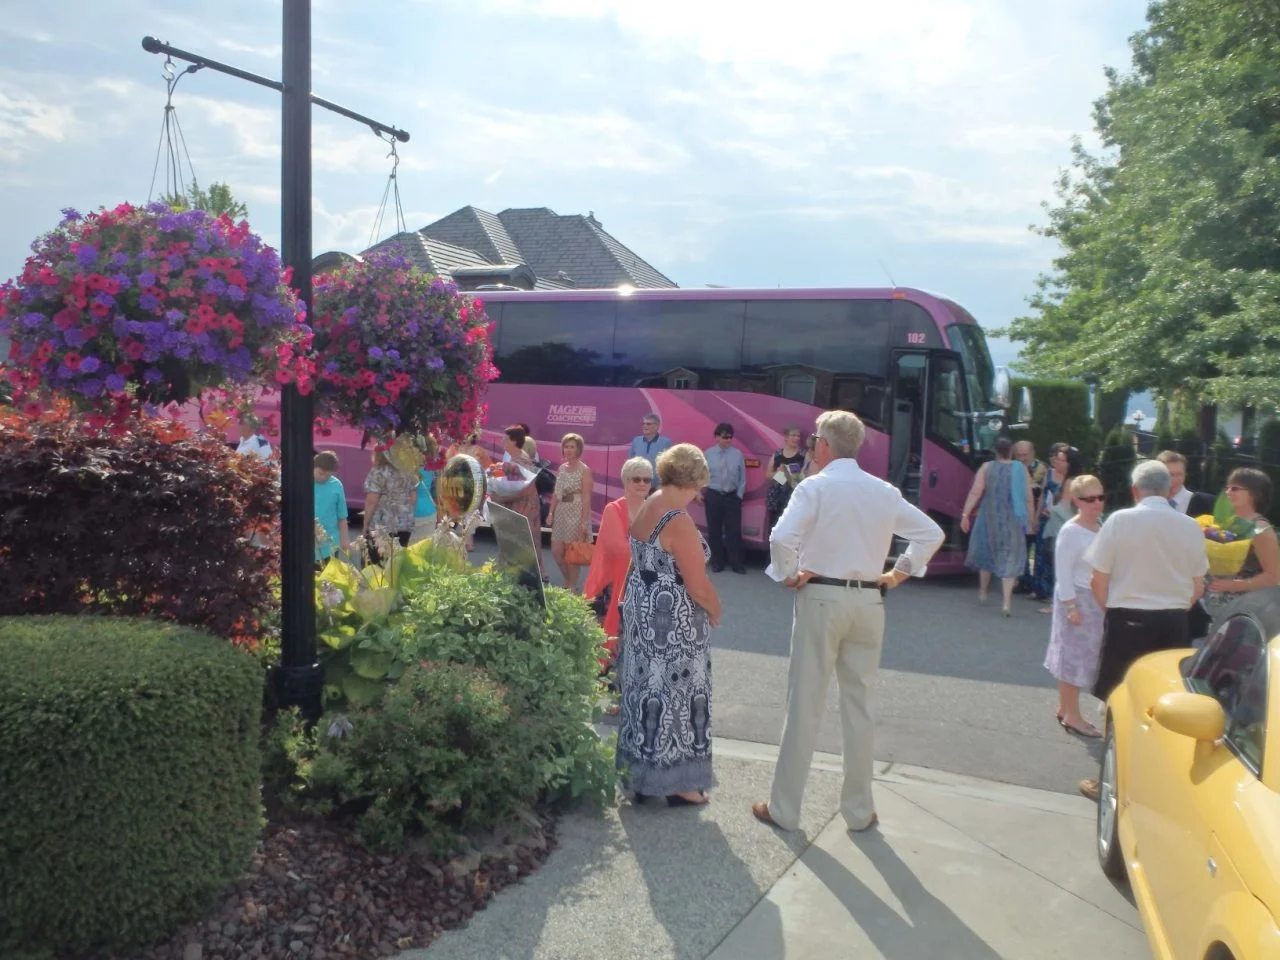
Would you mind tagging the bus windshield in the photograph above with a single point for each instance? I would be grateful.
(967, 340)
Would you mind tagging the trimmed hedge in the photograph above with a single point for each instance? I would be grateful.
(130, 778)
(1059, 412)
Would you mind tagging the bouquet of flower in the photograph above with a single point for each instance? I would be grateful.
(151, 304)
(505, 480)
(399, 350)
(1226, 539)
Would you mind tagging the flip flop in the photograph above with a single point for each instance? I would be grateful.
(1091, 734)
(675, 800)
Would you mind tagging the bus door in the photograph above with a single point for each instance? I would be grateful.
(909, 377)
(930, 436)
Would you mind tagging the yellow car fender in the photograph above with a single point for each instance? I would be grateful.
(1244, 926)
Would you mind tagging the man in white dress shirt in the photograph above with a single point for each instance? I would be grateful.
(830, 546)
(1184, 500)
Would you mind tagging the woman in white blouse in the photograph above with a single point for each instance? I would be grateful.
(1076, 635)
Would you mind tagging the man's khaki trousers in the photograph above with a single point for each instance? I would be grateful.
(840, 629)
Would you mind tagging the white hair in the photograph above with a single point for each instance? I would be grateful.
(651, 418)
(1151, 477)
(635, 467)
(843, 432)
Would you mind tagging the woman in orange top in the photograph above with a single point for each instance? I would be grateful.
(612, 555)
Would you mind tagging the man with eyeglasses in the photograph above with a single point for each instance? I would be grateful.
(650, 443)
(830, 546)
(723, 500)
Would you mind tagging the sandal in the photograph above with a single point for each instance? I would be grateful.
(1089, 733)
(676, 800)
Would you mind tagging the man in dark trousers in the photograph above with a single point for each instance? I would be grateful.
(1149, 565)
(723, 500)
(1193, 505)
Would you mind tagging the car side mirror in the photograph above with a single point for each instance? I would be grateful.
(1192, 715)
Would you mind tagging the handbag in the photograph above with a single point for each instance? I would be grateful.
(578, 553)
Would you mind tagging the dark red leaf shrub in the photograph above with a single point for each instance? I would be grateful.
(146, 521)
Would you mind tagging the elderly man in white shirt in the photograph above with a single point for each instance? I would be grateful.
(830, 546)
(1149, 564)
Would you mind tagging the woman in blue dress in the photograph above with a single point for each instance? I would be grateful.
(664, 665)
(1001, 494)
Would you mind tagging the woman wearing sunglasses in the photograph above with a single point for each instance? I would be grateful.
(1249, 491)
(612, 556)
(1075, 638)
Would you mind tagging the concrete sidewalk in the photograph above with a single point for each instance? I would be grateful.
(960, 868)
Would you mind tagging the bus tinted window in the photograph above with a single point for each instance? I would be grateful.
(840, 346)
(679, 344)
(568, 342)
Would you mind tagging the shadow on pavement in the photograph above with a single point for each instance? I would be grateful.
(931, 929)
(695, 890)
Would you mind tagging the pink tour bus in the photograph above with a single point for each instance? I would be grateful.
(913, 366)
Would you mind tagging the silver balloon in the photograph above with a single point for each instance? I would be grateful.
(460, 489)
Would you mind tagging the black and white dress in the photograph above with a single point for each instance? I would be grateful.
(664, 669)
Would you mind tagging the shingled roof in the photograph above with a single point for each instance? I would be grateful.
(564, 252)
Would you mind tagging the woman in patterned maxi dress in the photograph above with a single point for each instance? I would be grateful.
(664, 667)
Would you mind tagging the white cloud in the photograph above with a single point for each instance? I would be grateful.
(26, 118)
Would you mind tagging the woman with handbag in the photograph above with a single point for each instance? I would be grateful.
(612, 558)
(570, 515)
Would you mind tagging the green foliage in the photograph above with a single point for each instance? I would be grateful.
(1116, 461)
(1111, 407)
(1169, 276)
(359, 614)
(435, 756)
(217, 200)
(130, 778)
(549, 661)
(520, 684)
(1060, 412)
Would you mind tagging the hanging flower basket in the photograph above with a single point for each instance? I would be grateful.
(152, 305)
(399, 351)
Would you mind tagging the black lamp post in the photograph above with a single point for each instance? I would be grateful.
(299, 678)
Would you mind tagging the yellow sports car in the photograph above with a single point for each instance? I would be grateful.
(1189, 793)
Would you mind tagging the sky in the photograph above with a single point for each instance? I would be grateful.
(803, 144)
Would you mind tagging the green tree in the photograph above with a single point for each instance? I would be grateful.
(1169, 275)
(217, 200)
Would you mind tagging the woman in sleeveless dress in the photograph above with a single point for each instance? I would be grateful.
(1249, 491)
(1001, 493)
(570, 516)
(664, 667)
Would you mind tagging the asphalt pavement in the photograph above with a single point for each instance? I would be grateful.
(961, 688)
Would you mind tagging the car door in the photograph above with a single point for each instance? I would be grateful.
(1185, 792)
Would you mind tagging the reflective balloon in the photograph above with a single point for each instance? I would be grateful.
(461, 486)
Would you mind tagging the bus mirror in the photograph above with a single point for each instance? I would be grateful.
(1002, 388)
(1024, 405)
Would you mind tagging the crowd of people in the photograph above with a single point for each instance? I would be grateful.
(1120, 587)
(1116, 587)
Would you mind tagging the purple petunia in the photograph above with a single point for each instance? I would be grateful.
(90, 365)
(115, 383)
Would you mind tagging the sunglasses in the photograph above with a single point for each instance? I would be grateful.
(1234, 488)
(725, 436)
(642, 479)
(1096, 498)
